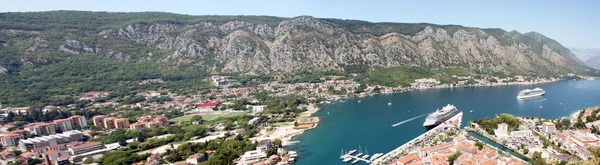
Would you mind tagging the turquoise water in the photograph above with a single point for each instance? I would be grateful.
(368, 124)
(488, 141)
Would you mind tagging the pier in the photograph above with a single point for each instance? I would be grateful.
(356, 158)
(410, 144)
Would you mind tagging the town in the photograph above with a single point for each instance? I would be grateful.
(158, 127)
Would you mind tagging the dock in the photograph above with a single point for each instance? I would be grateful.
(410, 144)
(356, 158)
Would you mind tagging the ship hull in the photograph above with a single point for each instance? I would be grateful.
(531, 96)
(430, 124)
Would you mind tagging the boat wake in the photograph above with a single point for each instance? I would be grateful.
(407, 120)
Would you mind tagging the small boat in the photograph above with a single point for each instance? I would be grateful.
(359, 154)
(359, 101)
(351, 152)
(342, 155)
(355, 161)
(347, 159)
(471, 111)
(365, 156)
(390, 103)
(375, 156)
(541, 106)
(328, 113)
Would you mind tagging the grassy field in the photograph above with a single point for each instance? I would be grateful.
(207, 117)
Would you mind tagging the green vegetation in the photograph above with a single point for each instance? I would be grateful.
(453, 157)
(537, 159)
(333, 91)
(479, 145)
(206, 117)
(284, 104)
(563, 124)
(120, 157)
(489, 125)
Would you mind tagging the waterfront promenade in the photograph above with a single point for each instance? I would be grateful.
(411, 144)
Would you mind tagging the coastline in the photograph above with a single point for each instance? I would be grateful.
(286, 140)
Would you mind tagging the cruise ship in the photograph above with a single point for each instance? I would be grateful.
(529, 93)
(439, 116)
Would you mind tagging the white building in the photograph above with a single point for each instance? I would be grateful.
(502, 131)
(252, 157)
(254, 120)
(548, 127)
(522, 133)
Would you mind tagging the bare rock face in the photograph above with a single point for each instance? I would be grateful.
(3, 71)
(288, 45)
(76, 47)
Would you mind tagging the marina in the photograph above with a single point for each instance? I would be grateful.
(347, 157)
(407, 146)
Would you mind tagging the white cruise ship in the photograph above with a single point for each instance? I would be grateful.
(529, 93)
(439, 116)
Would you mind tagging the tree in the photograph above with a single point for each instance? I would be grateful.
(89, 160)
(537, 159)
(17, 152)
(525, 151)
(277, 143)
(123, 143)
(197, 118)
(271, 151)
(453, 157)
(33, 161)
(479, 145)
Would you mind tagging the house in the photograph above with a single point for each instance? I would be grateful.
(56, 157)
(252, 157)
(254, 120)
(196, 158)
(407, 159)
(99, 120)
(263, 145)
(11, 140)
(209, 106)
(7, 154)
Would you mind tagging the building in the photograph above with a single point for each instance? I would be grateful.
(162, 120)
(584, 140)
(137, 126)
(405, 160)
(109, 122)
(77, 148)
(502, 131)
(254, 120)
(99, 120)
(221, 81)
(263, 145)
(56, 157)
(11, 140)
(78, 121)
(209, 106)
(252, 157)
(63, 125)
(196, 158)
(121, 123)
(522, 133)
(150, 122)
(50, 140)
(548, 127)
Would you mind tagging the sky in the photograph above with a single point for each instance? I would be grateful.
(573, 23)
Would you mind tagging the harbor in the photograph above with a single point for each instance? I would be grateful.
(455, 121)
(360, 156)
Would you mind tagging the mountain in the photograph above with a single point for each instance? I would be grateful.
(259, 44)
(589, 56)
(45, 57)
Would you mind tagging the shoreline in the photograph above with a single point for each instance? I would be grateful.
(289, 136)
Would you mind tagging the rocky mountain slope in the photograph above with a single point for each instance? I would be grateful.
(589, 56)
(256, 44)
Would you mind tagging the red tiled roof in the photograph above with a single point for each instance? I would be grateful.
(211, 104)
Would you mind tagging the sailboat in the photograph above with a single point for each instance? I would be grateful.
(342, 156)
(359, 151)
(390, 103)
(366, 154)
